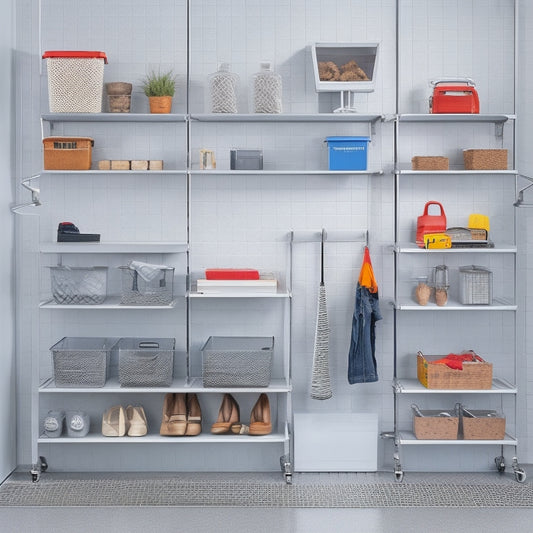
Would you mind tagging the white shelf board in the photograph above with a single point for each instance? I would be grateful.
(455, 117)
(111, 302)
(498, 305)
(287, 172)
(94, 172)
(455, 172)
(114, 117)
(205, 438)
(284, 117)
(413, 386)
(279, 294)
(112, 247)
(408, 438)
(412, 248)
(178, 385)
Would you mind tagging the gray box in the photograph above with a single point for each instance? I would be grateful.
(246, 159)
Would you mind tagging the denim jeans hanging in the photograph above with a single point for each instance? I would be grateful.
(362, 366)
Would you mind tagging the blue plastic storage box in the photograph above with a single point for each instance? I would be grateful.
(347, 153)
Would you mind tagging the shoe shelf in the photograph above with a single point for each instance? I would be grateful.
(285, 117)
(173, 172)
(202, 438)
(499, 304)
(280, 294)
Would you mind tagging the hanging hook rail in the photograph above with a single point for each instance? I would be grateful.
(35, 194)
(329, 236)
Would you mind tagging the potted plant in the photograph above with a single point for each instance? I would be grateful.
(160, 89)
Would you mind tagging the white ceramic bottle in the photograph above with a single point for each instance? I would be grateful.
(267, 87)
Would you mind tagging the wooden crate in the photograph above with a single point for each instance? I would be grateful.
(67, 153)
(490, 159)
(429, 162)
(432, 426)
(473, 376)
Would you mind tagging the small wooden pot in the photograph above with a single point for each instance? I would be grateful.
(160, 104)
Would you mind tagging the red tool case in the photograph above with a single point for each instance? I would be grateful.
(454, 96)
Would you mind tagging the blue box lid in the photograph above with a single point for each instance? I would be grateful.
(346, 139)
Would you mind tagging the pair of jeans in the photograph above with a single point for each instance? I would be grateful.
(362, 366)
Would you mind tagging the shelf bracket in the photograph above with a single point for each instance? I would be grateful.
(498, 127)
(35, 194)
(519, 202)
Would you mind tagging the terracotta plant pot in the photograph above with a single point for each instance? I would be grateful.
(116, 88)
(160, 104)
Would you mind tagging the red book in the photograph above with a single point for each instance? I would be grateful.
(231, 273)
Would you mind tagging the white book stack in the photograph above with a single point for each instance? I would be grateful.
(267, 283)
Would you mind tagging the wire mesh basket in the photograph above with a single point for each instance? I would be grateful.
(78, 285)
(145, 362)
(475, 285)
(139, 291)
(237, 361)
(82, 361)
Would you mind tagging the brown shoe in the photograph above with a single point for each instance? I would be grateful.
(194, 415)
(174, 422)
(228, 415)
(260, 423)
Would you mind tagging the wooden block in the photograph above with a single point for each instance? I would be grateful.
(120, 165)
(156, 164)
(104, 164)
(139, 165)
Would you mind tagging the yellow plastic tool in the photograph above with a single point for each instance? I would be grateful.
(477, 221)
(437, 240)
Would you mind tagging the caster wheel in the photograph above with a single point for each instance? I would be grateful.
(44, 464)
(520, 476)
(34, 477)
(288, 479)
(398, 476)
(500, 464)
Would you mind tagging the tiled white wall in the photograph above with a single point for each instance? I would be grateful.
(245, 220)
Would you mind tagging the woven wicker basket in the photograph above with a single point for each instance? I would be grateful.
(490, 159)
(420, 162)
(474, 376)
(431, 426)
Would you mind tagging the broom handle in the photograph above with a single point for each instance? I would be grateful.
(322, 259)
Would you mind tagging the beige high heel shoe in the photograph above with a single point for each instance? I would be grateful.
(137, 424)
(228, 415)
(194, 415)
(174, 422)
(114, 422)
(260, 422)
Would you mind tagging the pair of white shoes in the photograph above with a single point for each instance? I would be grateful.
(117, 422)
(77, 423)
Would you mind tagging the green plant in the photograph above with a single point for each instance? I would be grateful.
(159, 84)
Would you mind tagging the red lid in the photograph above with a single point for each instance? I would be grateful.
(75, 53)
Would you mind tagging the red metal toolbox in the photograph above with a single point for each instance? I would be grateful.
(454, 96)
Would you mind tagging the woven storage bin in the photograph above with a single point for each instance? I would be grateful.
(78, 285)
(419, 162)
(145, 362)
(434, 426)
(67, 153)
(81, 361)
(473, 376)
(237, 361)
(475, 285)
(138, 291)
(487, 425)
(485, 159)
(75, 81)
